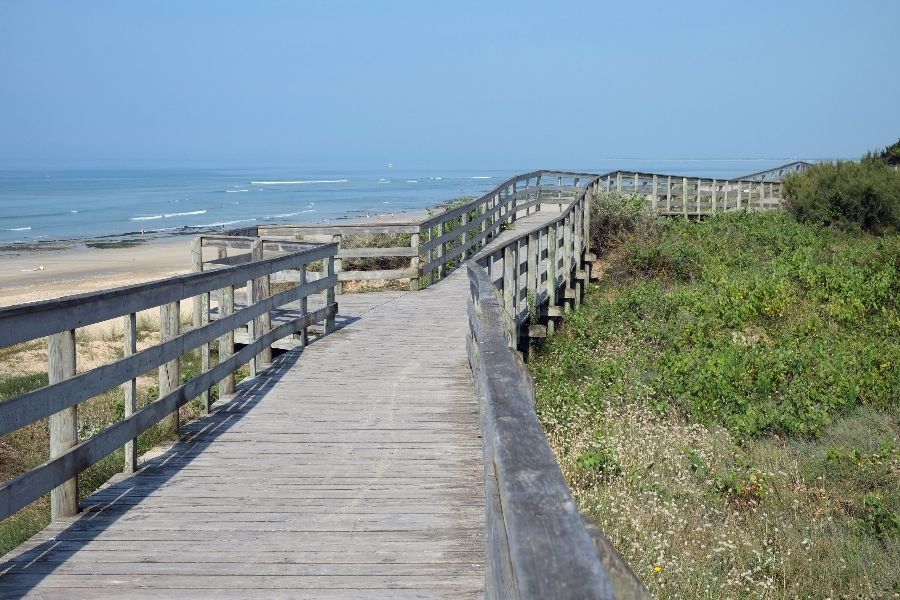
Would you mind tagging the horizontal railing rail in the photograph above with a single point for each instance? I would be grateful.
(421, 252)
(58, 320)
(424, 251)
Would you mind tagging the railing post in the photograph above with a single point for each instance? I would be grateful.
(439, 251)
(699, 182)
(130, 389)
(226, 342)
(655, 196)
(619, 181)
(669, 194)
(588, 199)
(338, 263)
(740, 193)
(509, 283)
(608, 183)
(482, 211)
(531, 275)
(258, 289)
(552, 247)
(170, 372)
(197, 267)
(637, 184)
(684, 197)
(414, 262)
(464, 236)
(715, 191)
(304, 306)
(205, 362)
(567, 255)
(64, 424)
(329, 293)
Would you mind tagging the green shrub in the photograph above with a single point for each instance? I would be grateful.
(864, 195)
(752, 321)
(616, 216)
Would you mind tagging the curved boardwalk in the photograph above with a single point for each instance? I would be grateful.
(350, 470)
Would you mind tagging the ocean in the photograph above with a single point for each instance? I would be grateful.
(47, 205)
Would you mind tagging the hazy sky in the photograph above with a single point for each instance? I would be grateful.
(444, 84)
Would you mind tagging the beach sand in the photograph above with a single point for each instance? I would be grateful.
(80, 270)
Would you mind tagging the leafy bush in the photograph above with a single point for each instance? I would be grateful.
(864, 195)
(748, 320)
(616, 216)
(888, 156)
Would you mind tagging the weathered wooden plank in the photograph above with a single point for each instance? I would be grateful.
(38, 404)
(18, 492)
(30, 321)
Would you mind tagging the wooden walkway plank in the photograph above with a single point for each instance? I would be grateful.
(352, 469)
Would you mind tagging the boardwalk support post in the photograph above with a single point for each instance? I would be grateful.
(64, 424)
(170, 372)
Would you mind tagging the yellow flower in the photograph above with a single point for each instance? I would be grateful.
(657, 568)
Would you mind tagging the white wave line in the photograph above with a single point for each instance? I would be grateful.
(298, 182)
(185, 214)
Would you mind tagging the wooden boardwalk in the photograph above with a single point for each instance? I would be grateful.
(350, 470)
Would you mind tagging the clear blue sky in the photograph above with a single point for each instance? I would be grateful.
(444, 84)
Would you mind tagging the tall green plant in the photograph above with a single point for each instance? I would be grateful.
(863, 195)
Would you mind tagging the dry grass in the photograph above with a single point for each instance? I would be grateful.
(788, 529)
(23, 368)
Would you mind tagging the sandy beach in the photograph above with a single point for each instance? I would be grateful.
(82, 269)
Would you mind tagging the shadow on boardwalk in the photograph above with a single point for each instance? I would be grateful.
(354, 472)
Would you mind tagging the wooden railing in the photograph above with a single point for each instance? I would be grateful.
(433, 247)
(58, 320)
(538, 545)
(422, 252)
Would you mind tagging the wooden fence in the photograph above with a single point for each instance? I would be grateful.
(422, 252)
(538, 545)
(57, 320)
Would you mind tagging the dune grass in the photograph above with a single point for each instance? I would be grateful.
(726, 405)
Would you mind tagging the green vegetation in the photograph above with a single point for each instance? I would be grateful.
(888, 156)
(864, 195)
(726, 404)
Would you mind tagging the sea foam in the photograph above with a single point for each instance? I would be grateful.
(185, 214)
(298, 182)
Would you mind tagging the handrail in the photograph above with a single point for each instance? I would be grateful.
(440, 243)
(59, 319)
(538, 546)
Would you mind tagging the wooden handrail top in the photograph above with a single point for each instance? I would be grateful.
(34, 320)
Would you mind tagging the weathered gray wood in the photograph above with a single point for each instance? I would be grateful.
(25, 322)
(63, 424)
(414, 262)
(129, 389)
(169, 372)
(529, 563)
(196, 267)
(338, 263)
(328, 273)
(18, 492)
(226, 340)
(373, 275)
